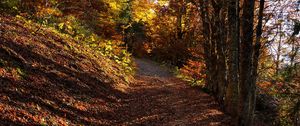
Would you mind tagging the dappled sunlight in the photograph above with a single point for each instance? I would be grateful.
(150, 62)
(159, 98)
(53, 88)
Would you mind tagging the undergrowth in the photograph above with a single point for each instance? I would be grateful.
(88, 44)
(193, 72)
(73, 27)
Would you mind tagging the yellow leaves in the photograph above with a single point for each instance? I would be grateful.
(163, 2)
(115, 6)
(144, 15)
(43, 12)
(93, 38)
(143, 10)
(61, 26)
(19, 17)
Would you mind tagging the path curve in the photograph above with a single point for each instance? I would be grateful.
(158, 98)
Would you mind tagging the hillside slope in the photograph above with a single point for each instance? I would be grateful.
(48, 78)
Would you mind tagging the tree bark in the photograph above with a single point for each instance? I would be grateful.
(206, 29)
(232, 93)
(277, 63)
(220, 63)
(247, 86)
(256, 53)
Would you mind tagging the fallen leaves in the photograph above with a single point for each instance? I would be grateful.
(55, 93)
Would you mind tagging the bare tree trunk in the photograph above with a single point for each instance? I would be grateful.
(293, 55)
(207, 42)
(220, 63)
(247, 86)
(277, 63)
(256, 53)
(213, 52)
(179, 23)
(232, 93)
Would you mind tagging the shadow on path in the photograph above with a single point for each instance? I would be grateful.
(158, 98)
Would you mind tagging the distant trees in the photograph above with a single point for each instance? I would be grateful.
(173, 33)
(281, 45)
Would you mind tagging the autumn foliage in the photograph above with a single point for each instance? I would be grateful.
(240, 51)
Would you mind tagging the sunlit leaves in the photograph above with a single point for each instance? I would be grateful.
(143, 10)
(194, 72)
(44, 12)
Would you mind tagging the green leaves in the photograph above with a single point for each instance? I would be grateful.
(11, 5)
(21, 72)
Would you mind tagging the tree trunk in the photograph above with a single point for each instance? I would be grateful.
(247, 86)
(277, 63)
(232, 94)
(206, 44)
(220, 63)
(256, 53)
(179, 21)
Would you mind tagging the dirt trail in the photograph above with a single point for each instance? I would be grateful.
(158, 98)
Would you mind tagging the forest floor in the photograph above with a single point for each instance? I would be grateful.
(47, 78)
(159, 98)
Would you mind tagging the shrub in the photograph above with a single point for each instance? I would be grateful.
(194, 72)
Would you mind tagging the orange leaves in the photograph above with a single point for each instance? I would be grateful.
(194, 69)
(12, 73)
(273, 88)
(2, 72)
(265, 85)
(1, 107)
(80, 106)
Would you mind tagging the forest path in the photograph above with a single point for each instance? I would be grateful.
(158, 98)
